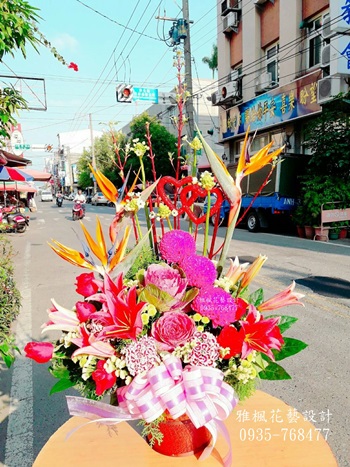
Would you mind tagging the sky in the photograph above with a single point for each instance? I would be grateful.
(112, 42)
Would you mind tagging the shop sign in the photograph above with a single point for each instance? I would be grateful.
(294, 100)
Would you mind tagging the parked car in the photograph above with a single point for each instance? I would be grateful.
(46, 195)
(99, 198)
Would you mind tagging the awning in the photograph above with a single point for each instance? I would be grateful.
(21, 187)
(38, 175)
(12, 160)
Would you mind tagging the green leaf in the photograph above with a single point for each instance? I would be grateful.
(62, 385)
(260, 363)
(274, 372)
(290, 347)
(285, 322)
(257, 297)
(60, 372)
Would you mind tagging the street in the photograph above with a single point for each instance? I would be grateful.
(320, 374)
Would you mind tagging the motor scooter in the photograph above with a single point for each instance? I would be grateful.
(13, 219)
(59, 200)
(78, 210)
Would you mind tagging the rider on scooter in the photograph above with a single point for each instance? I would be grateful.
(81, 198)
(59, 198)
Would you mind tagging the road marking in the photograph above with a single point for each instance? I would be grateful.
(19, 440)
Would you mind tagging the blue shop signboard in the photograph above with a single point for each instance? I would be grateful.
(294, 100)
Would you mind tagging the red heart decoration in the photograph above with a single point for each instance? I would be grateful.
(189, 194)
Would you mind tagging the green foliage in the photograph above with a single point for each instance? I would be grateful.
(274, 372)
(257, 297)
(18, 27)
(290, 347)
(152, 431)
(10, 302)
(212, 61)
(163, 143)
(243, 390)
(327, 174)
(143, 260)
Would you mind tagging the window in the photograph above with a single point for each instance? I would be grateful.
(272, 63)
(314, 42)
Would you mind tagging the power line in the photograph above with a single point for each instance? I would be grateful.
(134, 31)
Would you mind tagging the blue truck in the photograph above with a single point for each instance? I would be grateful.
(276, 201)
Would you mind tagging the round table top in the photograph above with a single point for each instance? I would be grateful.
(264, 431)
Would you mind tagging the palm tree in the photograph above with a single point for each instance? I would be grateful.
(212, 61)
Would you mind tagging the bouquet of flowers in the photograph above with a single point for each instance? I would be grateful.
(162, 328)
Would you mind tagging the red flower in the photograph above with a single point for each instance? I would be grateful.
(231, 338)
(84, 310)
(262, 335)
(122, 316)
(103, 379)
(86, 284)
(241, 308)
(74, 66)
(40, 352)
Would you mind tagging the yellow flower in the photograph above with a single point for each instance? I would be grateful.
(163, 211)
(207, 180)
(196, 145)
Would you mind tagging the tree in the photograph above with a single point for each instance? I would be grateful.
(326, 178)
(212, 61)
(105, 149)
(18, 29)
(163, 144)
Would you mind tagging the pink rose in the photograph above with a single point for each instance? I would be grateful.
(168, 280)
(40, 352)
(86, 284)
(173, 329)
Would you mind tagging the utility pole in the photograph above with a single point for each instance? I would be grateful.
(188, 71)
(187, 56)
(93, 160)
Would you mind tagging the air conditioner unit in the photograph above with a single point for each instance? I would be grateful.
(327, 88)
(326, 55)
(229, 91)
(215, 98)
(230, 23)
(327, 31)
(263, 82)
(230, 5)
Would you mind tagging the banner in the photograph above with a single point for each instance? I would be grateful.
(294, 100)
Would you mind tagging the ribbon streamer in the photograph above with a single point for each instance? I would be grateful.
(198, 392)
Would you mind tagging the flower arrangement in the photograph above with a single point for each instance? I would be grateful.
(161, 327)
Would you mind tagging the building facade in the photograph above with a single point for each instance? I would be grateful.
(279, 62)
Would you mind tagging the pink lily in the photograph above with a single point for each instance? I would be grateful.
(97, 348)
(61, 319)
(122, 316)
(236, 271)
(284, 298)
